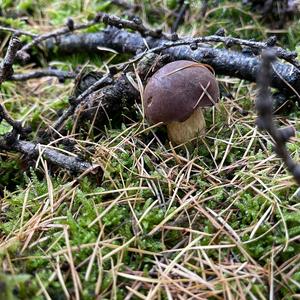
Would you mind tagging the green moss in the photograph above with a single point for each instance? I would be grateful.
(14, 286)
(10, 175)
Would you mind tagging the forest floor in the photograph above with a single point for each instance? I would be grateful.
(220, 220)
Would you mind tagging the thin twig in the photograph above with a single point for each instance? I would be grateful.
(18, 31)
(44, 73)
(105, 80)
(136, 24)
(265, 115)
(16, 125)
(180, 16)
(6, 72)
(289, 56)
(6, 69)
(70, 26)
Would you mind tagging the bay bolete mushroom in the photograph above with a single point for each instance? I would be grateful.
(176, 94)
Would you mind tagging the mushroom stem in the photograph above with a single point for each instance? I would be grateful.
(182, 132)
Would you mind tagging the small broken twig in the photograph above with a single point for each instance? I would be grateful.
(6, 69)
(70, 163)
(6, 72)
(23, 55)
(180, 16)
(18, 31)
(265, 115)
(136, 24)
(16, 125)
(61, 75)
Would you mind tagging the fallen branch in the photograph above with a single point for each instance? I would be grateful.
(23, 54)
(32, 150)
(136, 24)
(108, 96)
(61, 75)
(10, 141)
(105, 80)
(6, 72)
(225, 62)
(284, 77)
(163, 42)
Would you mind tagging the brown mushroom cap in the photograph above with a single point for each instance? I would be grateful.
(174, 91)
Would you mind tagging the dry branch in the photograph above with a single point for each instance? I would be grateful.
(32, 150)
(10, 141)
(102, 101)
(23, 54)
(136, 24)
(105, 80)
(6, 69)
(61, 75)
(107, 96)
(18, 31)
(6, 72)
(265, 116)
(284, 77)
(101, 105)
